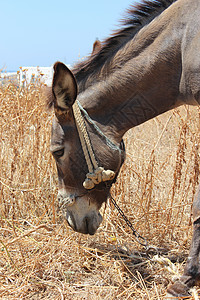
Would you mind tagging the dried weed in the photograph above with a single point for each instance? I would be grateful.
(42, 258)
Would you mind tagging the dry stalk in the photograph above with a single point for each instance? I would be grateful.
(155, 188)
(28, 233)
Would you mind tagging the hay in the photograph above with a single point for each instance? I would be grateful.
(42, 258)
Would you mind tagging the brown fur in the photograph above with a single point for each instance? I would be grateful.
(96, 47)
(138, 16)
(148, 67)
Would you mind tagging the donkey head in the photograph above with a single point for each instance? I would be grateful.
(79, 205)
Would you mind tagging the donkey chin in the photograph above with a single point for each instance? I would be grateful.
(81, 213)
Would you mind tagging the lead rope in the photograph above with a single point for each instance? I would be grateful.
(96, 174)
(140, 239)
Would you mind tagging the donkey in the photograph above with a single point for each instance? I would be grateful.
(148, 67)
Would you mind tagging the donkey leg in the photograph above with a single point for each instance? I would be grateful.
(191, 274)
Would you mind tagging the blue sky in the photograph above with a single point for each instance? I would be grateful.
(40, 32)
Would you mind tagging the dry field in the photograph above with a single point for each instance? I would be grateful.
(42, 258)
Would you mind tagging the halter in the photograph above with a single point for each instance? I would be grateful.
(97, 174)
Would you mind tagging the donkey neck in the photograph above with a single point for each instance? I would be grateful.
(127, 108)
(144, 86)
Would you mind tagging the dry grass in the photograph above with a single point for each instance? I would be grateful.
(42, 258)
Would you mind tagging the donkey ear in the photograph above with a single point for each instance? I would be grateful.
(64, 86)
(96, 47)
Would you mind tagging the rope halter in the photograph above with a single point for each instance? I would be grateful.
(96, 174)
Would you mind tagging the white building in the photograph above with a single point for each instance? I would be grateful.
(6, 77)
(29, 75)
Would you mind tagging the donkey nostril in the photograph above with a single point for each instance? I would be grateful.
(87, 225)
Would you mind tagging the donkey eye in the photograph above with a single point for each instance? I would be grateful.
(58, 153)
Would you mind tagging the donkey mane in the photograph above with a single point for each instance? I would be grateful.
(137, 17)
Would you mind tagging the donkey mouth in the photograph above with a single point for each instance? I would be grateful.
(88, 228)
(87, 225)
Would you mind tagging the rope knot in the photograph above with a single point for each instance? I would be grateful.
(99, 175)
(96, 174)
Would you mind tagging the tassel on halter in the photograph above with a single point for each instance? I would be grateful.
(96, 174)
(99, 175)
